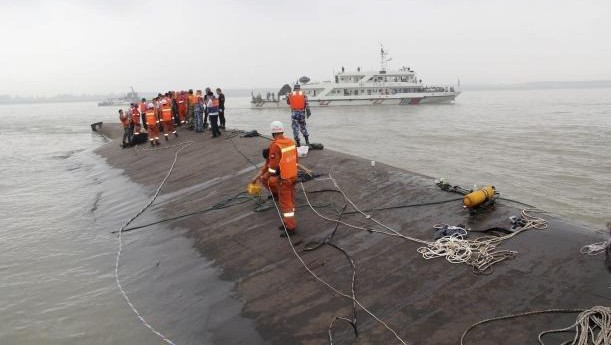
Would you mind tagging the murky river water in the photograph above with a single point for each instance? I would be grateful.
(548, 148)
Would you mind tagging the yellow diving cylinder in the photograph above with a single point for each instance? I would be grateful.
(253, 189)
(479, 196)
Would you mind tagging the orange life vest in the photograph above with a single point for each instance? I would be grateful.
(151, 119)
(124, 119)
(143, 107)
(135, 116)
(288, 158)
(166, 112)
(297, 100)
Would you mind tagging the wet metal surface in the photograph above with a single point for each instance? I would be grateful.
(425, 301)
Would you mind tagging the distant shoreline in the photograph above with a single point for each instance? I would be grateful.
(538, 85)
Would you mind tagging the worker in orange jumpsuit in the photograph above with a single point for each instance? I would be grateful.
(127, 128)
(135, 114)
(151, 122)
(183, 107)
(279, 175)
(166, 118)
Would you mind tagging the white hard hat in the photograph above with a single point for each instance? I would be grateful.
(277, 127)
(150, 106)
(164, 102)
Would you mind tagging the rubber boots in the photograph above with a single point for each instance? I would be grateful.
(297, 142)
(307, 138)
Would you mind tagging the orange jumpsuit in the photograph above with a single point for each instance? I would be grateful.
(166, 118)
(182, 107)
(136, 120)
(151, 124)
(280, 177)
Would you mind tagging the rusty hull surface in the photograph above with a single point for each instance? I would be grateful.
(425, 301)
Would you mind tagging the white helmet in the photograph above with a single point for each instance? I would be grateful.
(277, 127)
(150, 106)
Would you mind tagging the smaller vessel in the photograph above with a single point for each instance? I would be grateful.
(271, 100)
(127, 99)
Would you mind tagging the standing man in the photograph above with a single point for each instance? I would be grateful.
(279, 175)
(189, 103)
(135, 115)
(128, 128)
(142, 109)
(299, 106)
(167, 119)
(198, 111)
(221, 96)
(184, 109)
(213, 113)
(151, 122)
(206, 97)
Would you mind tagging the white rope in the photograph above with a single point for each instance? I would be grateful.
(117, 279)
(352, 298)
(592, 327)
(480, 253)
(594, 248)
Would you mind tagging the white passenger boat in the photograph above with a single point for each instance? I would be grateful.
(399, 87)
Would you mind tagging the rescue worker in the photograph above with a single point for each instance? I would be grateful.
(279, 175)
(188, 101)
(142, 110)
(213, 113)
(128, 129)
(198, 111)
(206, 113)
(299, 107)
(166, 119)
(221, 96)
(152, 121)
(135, 115)
(181, 102)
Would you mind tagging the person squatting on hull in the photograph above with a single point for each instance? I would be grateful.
(299, 110)
(279, 175)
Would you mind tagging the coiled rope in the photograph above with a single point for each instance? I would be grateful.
(480, 254)
(182, 145)
(592, 327)
(598, 247)
(594, 248)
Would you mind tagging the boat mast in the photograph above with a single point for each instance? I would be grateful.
(383, 59)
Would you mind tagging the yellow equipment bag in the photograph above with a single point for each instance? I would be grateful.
(479, 196)
(253, 189)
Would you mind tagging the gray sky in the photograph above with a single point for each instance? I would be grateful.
(71, 46)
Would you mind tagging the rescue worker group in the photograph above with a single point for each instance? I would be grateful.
(167, 111)
(194, 110)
